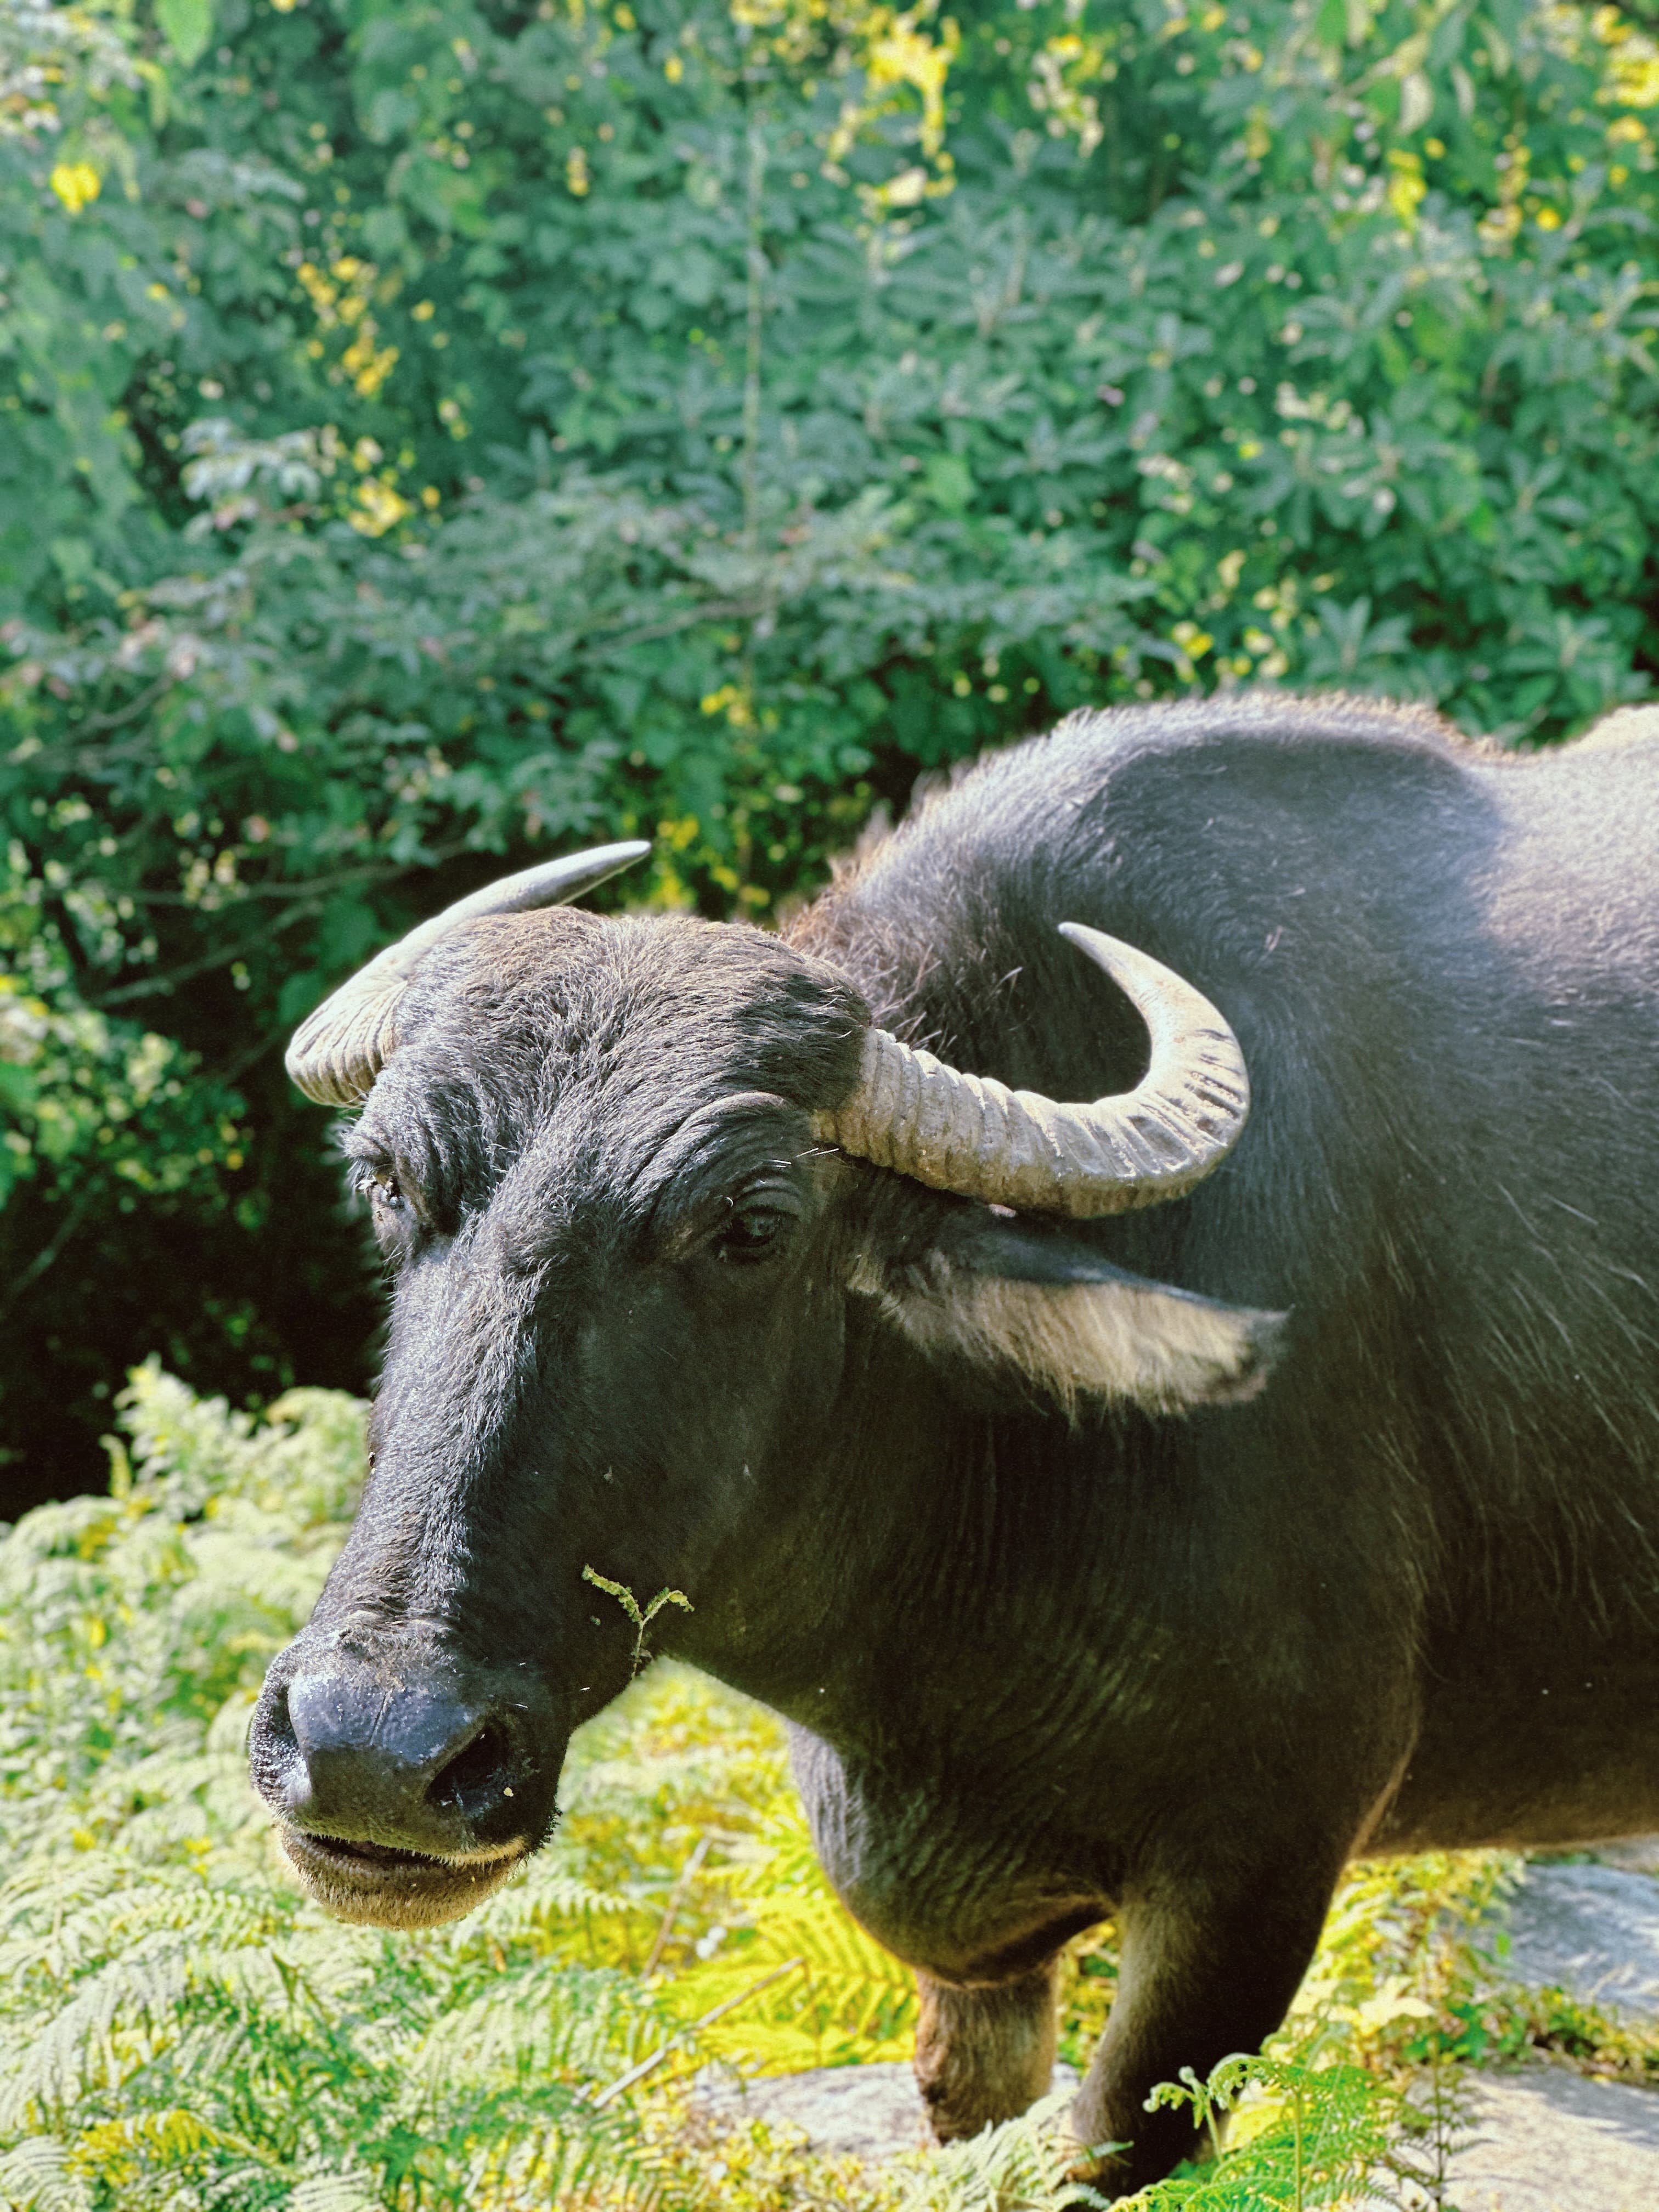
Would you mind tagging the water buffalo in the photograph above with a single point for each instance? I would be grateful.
(1133, 1510)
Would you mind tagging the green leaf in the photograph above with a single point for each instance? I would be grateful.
(187, 26)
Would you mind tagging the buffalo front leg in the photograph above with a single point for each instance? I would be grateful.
(984, 2054)
(1199, 1976)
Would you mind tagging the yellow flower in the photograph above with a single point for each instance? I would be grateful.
(78, 183)
(367, 368)
(1406, 187)
(1636, 78)
(376, 507)
(732, 701)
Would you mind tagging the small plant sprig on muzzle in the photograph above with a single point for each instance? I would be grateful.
(629, 1604)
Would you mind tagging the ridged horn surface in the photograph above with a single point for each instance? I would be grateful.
(973, 1135)
(337, 1051)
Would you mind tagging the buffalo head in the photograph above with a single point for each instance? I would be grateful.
(663, 1213)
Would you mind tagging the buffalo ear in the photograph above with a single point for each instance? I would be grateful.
(1014, 1295)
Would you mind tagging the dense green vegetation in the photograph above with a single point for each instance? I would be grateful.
(179, 2030)
(437, 432)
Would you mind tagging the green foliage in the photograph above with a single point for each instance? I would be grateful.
(1024, 2166)
(98, 1114)
(427, 435)
(842, 1999)
(1326, 2132)
(1303, 2131)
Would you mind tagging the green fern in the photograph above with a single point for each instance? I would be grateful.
(37, 2175)
(848, 2001)
(1317, 2131)
(1024, 2165)
(630, 1605)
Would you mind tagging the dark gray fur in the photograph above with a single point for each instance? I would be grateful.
(1179, 1669)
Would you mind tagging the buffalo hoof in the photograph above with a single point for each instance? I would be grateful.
(984, 2056)
(1120, 2160)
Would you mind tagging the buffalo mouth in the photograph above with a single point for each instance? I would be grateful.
(386, 1886)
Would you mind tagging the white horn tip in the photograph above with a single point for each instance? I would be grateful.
(1096, 944)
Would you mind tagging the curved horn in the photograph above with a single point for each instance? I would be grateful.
(337, 1051)
(971, 1134)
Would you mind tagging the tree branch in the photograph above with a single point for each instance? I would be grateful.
(48, 1256)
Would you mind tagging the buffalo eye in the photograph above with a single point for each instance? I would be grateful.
(384, 1189)
(751, 1231)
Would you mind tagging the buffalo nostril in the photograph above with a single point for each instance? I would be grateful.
(409, 1765)
(274, 1751)
(273, 1725)
(478, 1776)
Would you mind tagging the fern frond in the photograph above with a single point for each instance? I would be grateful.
(347, 2190)
(1318, 2135)
(1021, 2167)
(36, 2176)
(852, 2002)
(559, 2020)
(546, 1897)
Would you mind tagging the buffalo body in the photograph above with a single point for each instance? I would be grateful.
(1150, 1567)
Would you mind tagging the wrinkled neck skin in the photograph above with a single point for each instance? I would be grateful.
(828, 1598)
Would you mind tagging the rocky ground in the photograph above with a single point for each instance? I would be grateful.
(1548, 2139)
(1554, 2141)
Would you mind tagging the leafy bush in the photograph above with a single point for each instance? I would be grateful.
(429, 435)
(181, 2029)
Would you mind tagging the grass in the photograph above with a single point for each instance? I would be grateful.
(181, 2030)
